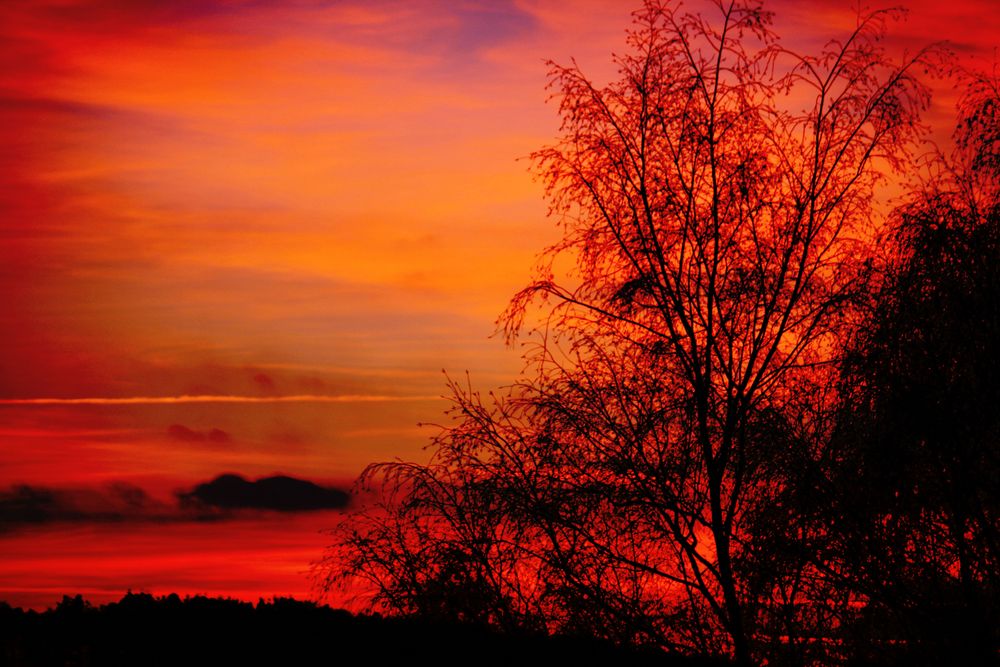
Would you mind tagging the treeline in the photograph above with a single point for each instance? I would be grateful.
(142, 629)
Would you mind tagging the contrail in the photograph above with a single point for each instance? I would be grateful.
(154, 400)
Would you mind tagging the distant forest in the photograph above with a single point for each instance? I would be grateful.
(142, 629)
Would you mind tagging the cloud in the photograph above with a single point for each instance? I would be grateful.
(185, 434)
(281, 493)
(24, 505)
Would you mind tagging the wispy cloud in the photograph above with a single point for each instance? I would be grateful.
(155, 400)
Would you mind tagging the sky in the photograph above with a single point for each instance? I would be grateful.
(247, 237)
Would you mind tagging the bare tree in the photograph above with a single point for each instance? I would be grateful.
(716, 204)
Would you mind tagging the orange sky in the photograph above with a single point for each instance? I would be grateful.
(272, 201)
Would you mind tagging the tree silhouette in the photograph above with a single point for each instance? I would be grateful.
(920, 431)
(716, 208)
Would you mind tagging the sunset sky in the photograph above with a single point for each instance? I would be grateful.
(246, 236)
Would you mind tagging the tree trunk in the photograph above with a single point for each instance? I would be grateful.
(734, 610)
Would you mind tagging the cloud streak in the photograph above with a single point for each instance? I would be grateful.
(157, 400)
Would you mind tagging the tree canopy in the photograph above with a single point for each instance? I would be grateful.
(668, 469)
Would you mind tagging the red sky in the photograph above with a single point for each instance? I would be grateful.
(310, 208)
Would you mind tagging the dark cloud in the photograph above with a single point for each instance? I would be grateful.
(24, 505)
(217, 435)
(185, 434)
(281, 493)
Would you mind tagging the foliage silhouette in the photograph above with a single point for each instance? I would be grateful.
(676, 467)
(918, 437)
